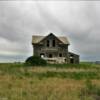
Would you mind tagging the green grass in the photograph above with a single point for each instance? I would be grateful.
(19, 70)
(82, 65)
(90, 90)
(69, 75)
(52, 82)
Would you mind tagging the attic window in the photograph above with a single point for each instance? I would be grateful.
(53, 43)
(48, 43)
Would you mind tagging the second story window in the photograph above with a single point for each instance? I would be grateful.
(53, 43)
(48, 43)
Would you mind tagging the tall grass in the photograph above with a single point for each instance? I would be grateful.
(19, 82)
(67, 75)
(19, 70)
(82, 65)
(90, 91)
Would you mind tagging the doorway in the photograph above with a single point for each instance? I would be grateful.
(50, 55)
(71, 61)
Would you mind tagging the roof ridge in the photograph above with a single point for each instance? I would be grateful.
(38, 38)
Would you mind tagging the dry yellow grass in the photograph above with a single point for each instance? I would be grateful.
(35, 89)
(42, 69)
(14, 87)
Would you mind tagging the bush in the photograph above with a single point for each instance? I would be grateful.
(35, 60)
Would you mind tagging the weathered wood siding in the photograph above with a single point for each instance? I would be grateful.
(59, 50)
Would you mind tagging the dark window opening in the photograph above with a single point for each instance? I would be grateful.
(71, 55)
(53, 43)
(71, 61)
(65, 60)
(42, 55)
(48, 43)
(50, 55)
(60, 55)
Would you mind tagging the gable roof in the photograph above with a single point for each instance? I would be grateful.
(72, 53)
(64, 40)
(36, 39)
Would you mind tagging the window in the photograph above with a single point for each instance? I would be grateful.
(42, 55)
(48, 43)
(71, 61)
(53, 43)
(71, 56)
(50, 55)
(60, 55)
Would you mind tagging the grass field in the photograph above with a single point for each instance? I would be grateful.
(51, 82)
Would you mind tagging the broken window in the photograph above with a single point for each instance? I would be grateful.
(42, 55)
(71, 56)
(48, 43)
(53, 43)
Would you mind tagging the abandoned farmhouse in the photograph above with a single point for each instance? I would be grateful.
(53, 49)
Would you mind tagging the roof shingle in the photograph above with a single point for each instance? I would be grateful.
(36, 39)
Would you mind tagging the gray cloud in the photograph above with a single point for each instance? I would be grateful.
(77, 20)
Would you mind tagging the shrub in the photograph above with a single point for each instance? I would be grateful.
(35, 60)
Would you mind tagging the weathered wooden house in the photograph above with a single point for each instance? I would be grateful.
(53, 49)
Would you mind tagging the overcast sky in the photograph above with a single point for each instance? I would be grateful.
(78, 20)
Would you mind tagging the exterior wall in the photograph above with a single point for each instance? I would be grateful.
(41, 49)
(56, 60)
(73, 58)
